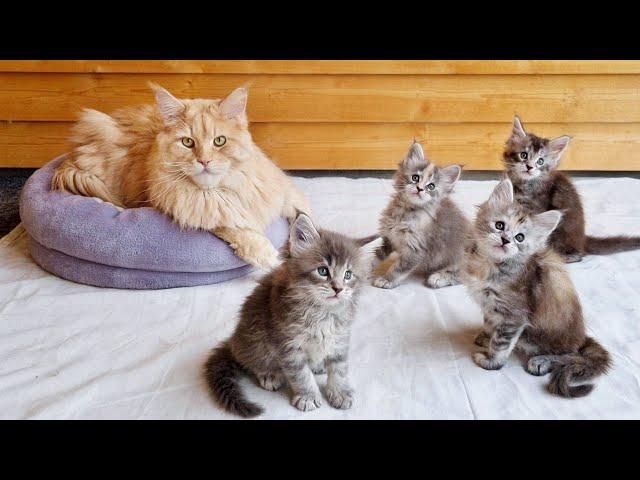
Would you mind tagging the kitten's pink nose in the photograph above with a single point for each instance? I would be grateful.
(336, 289)
(203, 162)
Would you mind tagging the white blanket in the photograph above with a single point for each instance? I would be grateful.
(73, 351)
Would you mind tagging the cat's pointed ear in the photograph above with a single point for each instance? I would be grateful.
(502, 194)
(302, 233)
(415, 156)
(170, 107)
(557, 146)
(546, 222)
(369, 245)
(235, 105)
(450, 176)
(518, 129)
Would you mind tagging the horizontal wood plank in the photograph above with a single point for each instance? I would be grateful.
(371, 146)
(336, 67)
(346, 98)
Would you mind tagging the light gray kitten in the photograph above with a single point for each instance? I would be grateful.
(527, 297)
(423, 229)
(297, 322)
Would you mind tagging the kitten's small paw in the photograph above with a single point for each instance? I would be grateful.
(539, 365)
(319, 369)
(341, 398)
(382, 282)
(485, 362)
(271, 382)
(482, 339)
(440, 279)
(306, 402)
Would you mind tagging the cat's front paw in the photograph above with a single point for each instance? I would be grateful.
(440, 279)
(539, 365)
(483, 361)
(307, 402)
(482, 339)
(260, 254)
(271, 382)
(341, 398)
(382, 282)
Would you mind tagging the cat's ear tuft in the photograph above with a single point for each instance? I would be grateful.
(369, 245)
(170, 107)
(557, 146)
(235, 105)
(450, 175)
(502, 194)
(518, 129)
(415, 155)
(546, 222)
(302, 233)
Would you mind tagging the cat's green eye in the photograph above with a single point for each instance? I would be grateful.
(524, 155)
(415, 178)
(323, 271)
(220, 141)
(348, 275)
(540, 161)
(188, 142)
(520, 237)
(500, 225)
(431, 186)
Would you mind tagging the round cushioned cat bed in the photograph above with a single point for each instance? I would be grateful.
(86, 241)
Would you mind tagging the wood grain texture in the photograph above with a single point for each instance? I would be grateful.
(338, 67)
(371, 146)
(341, 98)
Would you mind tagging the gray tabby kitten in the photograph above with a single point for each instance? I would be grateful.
(296, 323)
(422, 228)
(527, 297)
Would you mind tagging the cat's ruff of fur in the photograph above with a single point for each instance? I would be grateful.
(137, 157)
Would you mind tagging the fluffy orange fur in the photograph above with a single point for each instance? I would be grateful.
(192, 159)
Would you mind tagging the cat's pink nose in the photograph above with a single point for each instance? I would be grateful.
(203, 162)
(336, 289)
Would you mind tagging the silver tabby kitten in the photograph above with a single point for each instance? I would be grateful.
(423, 229)
(527, 297)
(296, 323)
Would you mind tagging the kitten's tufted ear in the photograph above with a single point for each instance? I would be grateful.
(369, 245)
(415, 156)
(170, 107)
(450, 176)
(235, 105)
(302, 233)
(502, 194)
(546, 222)
(557, 146)
(518, 129)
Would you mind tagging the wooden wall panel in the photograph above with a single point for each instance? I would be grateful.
(332, 114)
(372, 146)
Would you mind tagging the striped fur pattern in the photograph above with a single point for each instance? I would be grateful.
(527, 298)
(531, 164)
(296, 323)
(422, 228)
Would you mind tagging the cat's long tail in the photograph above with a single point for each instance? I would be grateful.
(68, 178)
(591, 361)
(606, 245)
(221, 372)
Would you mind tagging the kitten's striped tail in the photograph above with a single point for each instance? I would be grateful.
(221, 372)
(591, 361)
(607, 245)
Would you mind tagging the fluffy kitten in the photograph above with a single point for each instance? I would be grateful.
(531, 164)
(421, 226)
(527, 297)
(192, 159)
(297, 322)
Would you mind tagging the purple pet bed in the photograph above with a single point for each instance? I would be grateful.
(89, 242)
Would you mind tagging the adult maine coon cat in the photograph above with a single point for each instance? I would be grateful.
(193, 159)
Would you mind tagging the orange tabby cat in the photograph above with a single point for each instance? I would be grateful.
(192, 159)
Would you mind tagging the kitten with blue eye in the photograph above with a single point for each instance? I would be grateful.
(422, 228)
(531, 164)
(527, 298)
(296, 323)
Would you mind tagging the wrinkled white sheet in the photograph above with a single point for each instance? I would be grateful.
(73, 351)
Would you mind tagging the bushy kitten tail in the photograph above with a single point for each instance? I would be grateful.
(221, 372)
(592, 360)
(607, 245)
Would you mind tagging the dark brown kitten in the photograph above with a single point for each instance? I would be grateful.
(531, 163)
